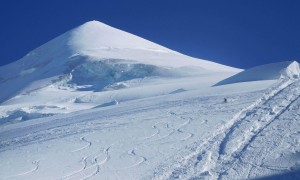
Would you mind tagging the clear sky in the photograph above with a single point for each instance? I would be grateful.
(239, 33)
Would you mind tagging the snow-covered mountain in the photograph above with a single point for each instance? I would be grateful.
(100, 103)
(93, 57)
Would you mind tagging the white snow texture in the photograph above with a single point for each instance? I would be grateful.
(101, 103)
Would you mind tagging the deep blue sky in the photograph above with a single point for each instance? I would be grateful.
(240, 33)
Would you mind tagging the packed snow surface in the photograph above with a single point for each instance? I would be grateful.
(100, 103)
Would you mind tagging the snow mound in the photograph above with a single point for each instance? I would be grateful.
(273, 71)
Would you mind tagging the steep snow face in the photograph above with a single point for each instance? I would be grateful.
(272, 71)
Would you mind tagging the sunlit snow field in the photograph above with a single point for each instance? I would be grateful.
(100, 103)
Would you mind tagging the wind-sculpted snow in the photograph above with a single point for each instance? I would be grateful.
(265, 72)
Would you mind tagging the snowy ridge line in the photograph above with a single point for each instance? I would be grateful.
(205, 155)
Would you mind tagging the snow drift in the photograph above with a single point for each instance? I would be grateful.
(272, 71)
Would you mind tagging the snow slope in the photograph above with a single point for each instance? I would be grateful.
(188, 134)
(266, 72)
(262, 139)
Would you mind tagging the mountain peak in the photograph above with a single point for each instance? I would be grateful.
(93, 23)
(97, 54)
(97, 36)
(93, 26)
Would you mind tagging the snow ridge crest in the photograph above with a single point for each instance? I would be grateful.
(292, 71)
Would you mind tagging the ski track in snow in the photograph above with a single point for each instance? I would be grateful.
(179, 129)
(36, 165)
(84, 160)
(157, 131)
(163, 127)
(88, 144)
(98, 163)
(139, 161)
(228, 144)
(91, 163)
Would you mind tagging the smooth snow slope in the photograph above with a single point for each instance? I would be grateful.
(80, 69)
(265, 72)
